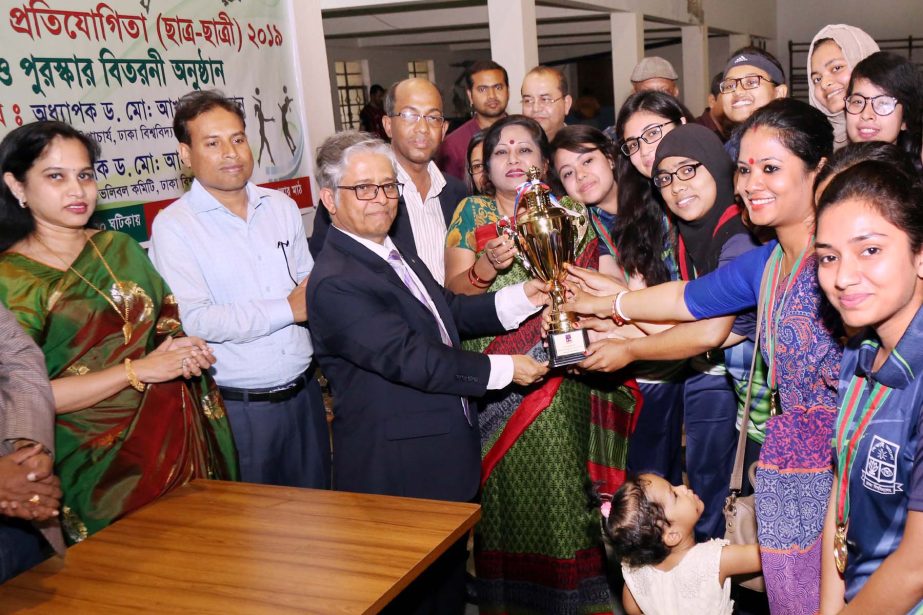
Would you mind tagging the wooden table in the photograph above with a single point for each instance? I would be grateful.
(219, 547)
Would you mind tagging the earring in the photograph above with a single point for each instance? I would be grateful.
(22, 203)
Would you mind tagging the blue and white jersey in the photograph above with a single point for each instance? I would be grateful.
(886, 480)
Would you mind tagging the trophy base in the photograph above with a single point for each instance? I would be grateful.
(567, 348)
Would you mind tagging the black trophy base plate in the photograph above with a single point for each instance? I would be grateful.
(567, 348)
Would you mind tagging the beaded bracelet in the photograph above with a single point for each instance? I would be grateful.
(133, 377)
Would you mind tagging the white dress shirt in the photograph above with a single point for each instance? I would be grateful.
(511, 302)
(426, 219)
(232, 282)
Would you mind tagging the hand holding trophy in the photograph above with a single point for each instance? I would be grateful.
(547, 236)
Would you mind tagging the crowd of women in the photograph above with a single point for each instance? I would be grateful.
(810, 215)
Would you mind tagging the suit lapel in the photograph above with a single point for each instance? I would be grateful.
(435, 292)
(401, 231)
(382, 269)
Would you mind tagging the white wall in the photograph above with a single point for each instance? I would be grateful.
(757, 17)
(799, 20)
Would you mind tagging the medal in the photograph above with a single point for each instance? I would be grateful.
(840, 553)
(852, 422)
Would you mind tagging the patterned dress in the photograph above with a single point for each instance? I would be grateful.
(127, 450)
(794, 473)
(544, 448)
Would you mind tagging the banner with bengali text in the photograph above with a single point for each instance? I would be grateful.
(115, 70)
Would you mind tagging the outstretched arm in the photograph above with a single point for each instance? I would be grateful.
(679, 342)
(739, 559)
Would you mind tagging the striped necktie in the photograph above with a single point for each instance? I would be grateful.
(403, 272)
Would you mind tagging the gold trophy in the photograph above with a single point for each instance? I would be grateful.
(548, 236)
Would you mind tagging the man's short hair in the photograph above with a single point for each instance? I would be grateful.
(391, 95)
(375, 89)
(334, 153)
(542, 69)
(194, 104)
(479, 67)
(715, 88)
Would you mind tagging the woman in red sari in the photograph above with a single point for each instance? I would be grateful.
(545, 447)
(137, 414)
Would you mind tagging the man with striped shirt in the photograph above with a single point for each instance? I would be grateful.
(414, 121)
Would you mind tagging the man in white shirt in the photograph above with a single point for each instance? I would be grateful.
(414, 121)
(236, 257)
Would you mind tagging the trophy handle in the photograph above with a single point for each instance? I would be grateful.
(506, 227)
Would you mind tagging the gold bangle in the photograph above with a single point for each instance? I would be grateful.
(133, 377)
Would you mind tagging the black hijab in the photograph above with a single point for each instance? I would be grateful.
(703, 244)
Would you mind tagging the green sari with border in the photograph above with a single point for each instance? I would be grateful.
(128, 450)
(545, 449)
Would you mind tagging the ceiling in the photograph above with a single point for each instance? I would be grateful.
(461, 25)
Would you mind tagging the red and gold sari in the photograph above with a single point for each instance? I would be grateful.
(133, 447)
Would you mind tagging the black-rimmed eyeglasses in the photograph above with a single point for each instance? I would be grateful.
(882, 104)
(664, 178)
(750, 82)
(631, 145)
(367, 192)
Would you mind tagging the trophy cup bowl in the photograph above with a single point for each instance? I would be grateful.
(546, 235)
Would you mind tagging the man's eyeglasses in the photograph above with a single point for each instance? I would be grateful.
(412, 118)
(367, 192)
(881, 105)
(538, 103)
(684, 173)
(750, 82)
(650, 136)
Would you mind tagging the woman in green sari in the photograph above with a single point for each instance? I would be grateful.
(538, 548)
(137, 414)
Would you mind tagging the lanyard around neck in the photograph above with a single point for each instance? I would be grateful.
(604, 236)
(855, 420)
(773, 309)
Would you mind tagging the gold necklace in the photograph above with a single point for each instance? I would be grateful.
(128, 328)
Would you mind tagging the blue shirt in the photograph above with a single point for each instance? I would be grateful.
(730, 289)
(232, 282)
(886, 481)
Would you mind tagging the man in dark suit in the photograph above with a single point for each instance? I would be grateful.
(387, 338)
(414, 121)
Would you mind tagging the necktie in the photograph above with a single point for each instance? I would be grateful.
(403, 272)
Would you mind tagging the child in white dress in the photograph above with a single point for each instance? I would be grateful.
(650, 524)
